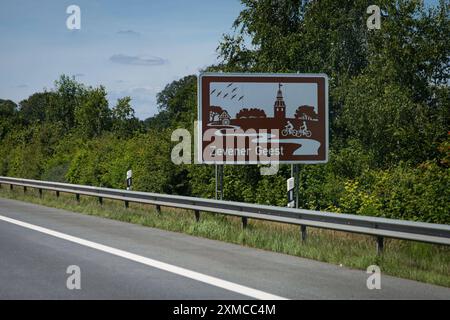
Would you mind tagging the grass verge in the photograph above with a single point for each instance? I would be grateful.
(406, 259)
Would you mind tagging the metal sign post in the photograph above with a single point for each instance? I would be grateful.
(216, 179)
(219, 181)
(297, 180)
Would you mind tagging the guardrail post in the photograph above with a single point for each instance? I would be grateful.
(244, 222)
(380, 244)
(197, 215)
(57, 194)
(158, 209)
(127, 204)
(10, 186)
(100, 200)
(24, 189)
(77, 197)
(303, 231)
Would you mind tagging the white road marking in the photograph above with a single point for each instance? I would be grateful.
(227, 285)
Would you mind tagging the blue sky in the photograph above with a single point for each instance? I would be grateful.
(132, 47)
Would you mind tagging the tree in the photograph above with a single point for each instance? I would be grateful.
(251, 113)
(8, 108)
(386, 120)
(306, 113)
(34, 108)
(399, 106)
(92, 115)
(159, 121)
(8, 116)
(413, 48)
(324, 36)
(124, 123)
(297, 35)
(68, 95)
(179, 100)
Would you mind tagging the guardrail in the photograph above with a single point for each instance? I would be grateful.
(374, 226)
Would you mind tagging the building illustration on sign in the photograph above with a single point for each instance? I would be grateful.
(287, 112)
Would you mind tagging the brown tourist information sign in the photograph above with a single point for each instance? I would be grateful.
(261, 118)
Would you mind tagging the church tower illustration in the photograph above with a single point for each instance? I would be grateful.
(279, 108)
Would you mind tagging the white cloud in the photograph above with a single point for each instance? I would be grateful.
(128, 33)
(137, 60)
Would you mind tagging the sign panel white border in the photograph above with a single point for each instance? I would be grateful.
(252, 75)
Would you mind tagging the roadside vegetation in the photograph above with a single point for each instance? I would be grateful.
(389, 102)
(406, 259)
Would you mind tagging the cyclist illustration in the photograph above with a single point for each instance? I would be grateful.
(288, 129)
(302, 131)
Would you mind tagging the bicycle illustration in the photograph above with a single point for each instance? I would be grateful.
(289, 130)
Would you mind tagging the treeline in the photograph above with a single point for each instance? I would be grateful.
(389, 111)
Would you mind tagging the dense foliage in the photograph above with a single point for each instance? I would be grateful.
(389, 109)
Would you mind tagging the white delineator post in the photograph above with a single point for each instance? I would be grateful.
(129, 179)
(290, 192)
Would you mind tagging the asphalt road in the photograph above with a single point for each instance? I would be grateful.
(124, 261)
